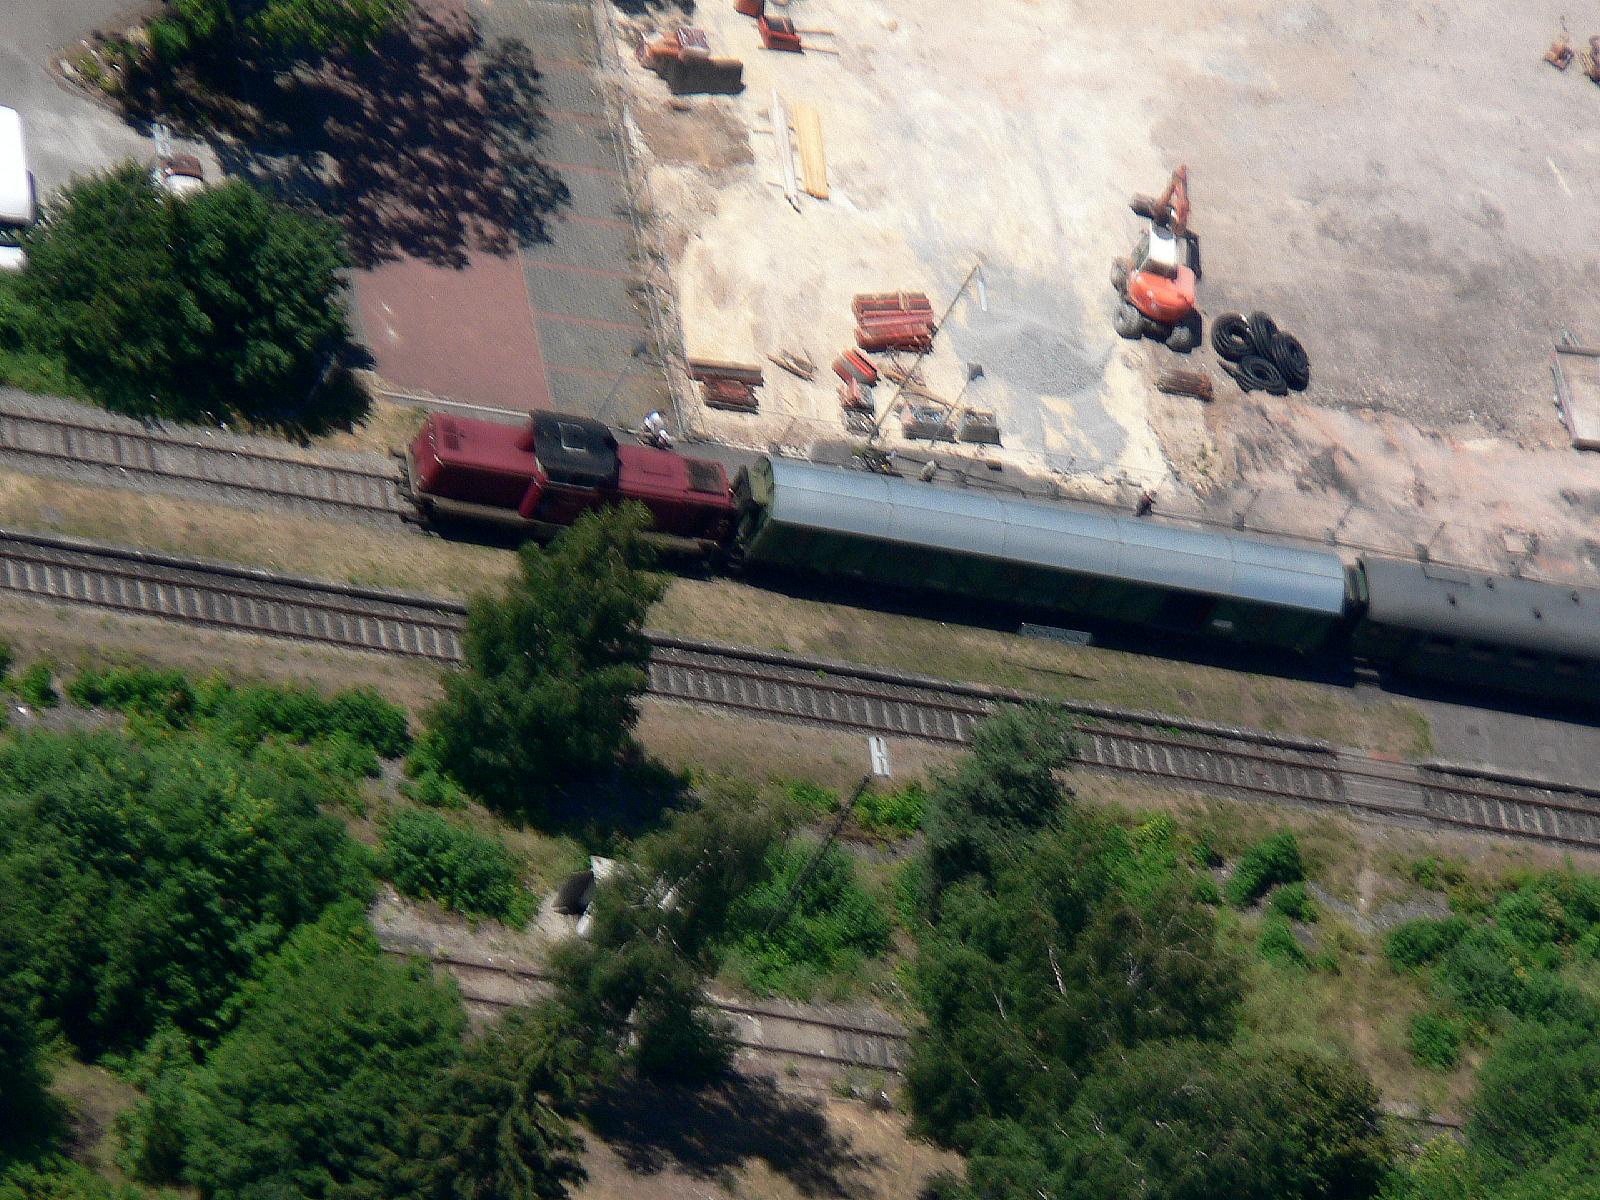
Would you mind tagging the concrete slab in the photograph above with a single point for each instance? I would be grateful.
(66, 134)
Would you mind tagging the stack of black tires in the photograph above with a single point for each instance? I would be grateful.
(1259, 355)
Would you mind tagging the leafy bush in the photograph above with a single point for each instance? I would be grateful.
(36, 686)
(831, 925)
(247, 716)
(165, 694)
(428, 857)
(1295, 902)
(1436, 1040)
(1205, 891)
(7, 657)
(812, 798)
(896, 813)
(1278, 944)
(435, 789)
(1269, 862)
(1419, 942)
(1483, 973)
(140, 884)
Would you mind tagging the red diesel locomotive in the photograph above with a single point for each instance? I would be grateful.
(546, 474)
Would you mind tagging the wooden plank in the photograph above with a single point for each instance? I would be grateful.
(780, 134)
(716, 368)
(813, 158)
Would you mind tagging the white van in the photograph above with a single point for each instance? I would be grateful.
(17, 210)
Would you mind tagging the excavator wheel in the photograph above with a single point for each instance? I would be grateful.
(1129, 322)
(1185, 335)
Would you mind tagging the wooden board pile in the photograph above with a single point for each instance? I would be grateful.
(728, 386)
(894, 321)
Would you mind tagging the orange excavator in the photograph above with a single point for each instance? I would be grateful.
(1157, 282)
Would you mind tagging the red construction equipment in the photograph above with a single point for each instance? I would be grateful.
(749, 8)
(779, 33)
(1157, 284)
(683, 58)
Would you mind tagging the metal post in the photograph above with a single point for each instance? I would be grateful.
(975, 273)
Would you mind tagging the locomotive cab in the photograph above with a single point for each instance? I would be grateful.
(545, 475)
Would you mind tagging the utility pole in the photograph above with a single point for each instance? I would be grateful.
(845, 810)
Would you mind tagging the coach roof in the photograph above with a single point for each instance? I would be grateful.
(1063, 537)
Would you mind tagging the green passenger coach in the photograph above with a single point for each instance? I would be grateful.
(1070, 559)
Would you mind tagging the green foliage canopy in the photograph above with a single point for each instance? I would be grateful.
(335, 1043)
(280, 27)
(142, 883)
(224, 304)
(555, 665)
(494, 1125)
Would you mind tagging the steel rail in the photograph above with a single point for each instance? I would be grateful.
(1177, 751)
(134, 449)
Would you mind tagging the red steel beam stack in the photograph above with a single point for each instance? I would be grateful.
(725, 385)
(893, 321)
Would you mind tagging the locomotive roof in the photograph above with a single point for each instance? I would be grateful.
(575, 450)
(486, 445)
(1061, 536)
(1476, 606)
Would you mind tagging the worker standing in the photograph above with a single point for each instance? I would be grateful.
(654, 432)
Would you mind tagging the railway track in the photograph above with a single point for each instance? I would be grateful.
(61, 441)
(242, 601)
(786, 1032)
(1172, 751)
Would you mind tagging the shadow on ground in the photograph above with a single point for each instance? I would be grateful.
(712, 1132)
(425, 146)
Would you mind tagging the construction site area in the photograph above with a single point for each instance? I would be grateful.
(1397, 186)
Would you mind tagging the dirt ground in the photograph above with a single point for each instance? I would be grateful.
(1396, 183)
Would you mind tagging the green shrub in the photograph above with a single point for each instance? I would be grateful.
(366, 717)
(812, 797)
(341, 754)
(1484, 974)
(429, 858)
(1417, 943)
(1436, 1040)
(892, 814)
(36, 686)
(7, 656)
(435, 789)
(1293, 901)
(1278, 945)
(1550, 913)
(1272, 861)
(1203, 853)
(167, 695)
(831, 926)
(1206, 891)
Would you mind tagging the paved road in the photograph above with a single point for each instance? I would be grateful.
(66, 134)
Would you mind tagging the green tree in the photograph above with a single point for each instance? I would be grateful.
(1005, 787)
(335, 1044)
(28, 1116)
(495, 1126)
(1189, 1119)
(221, 305)
(281, 27)
(142, 883)
(1538, 1093)
(555, 665)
